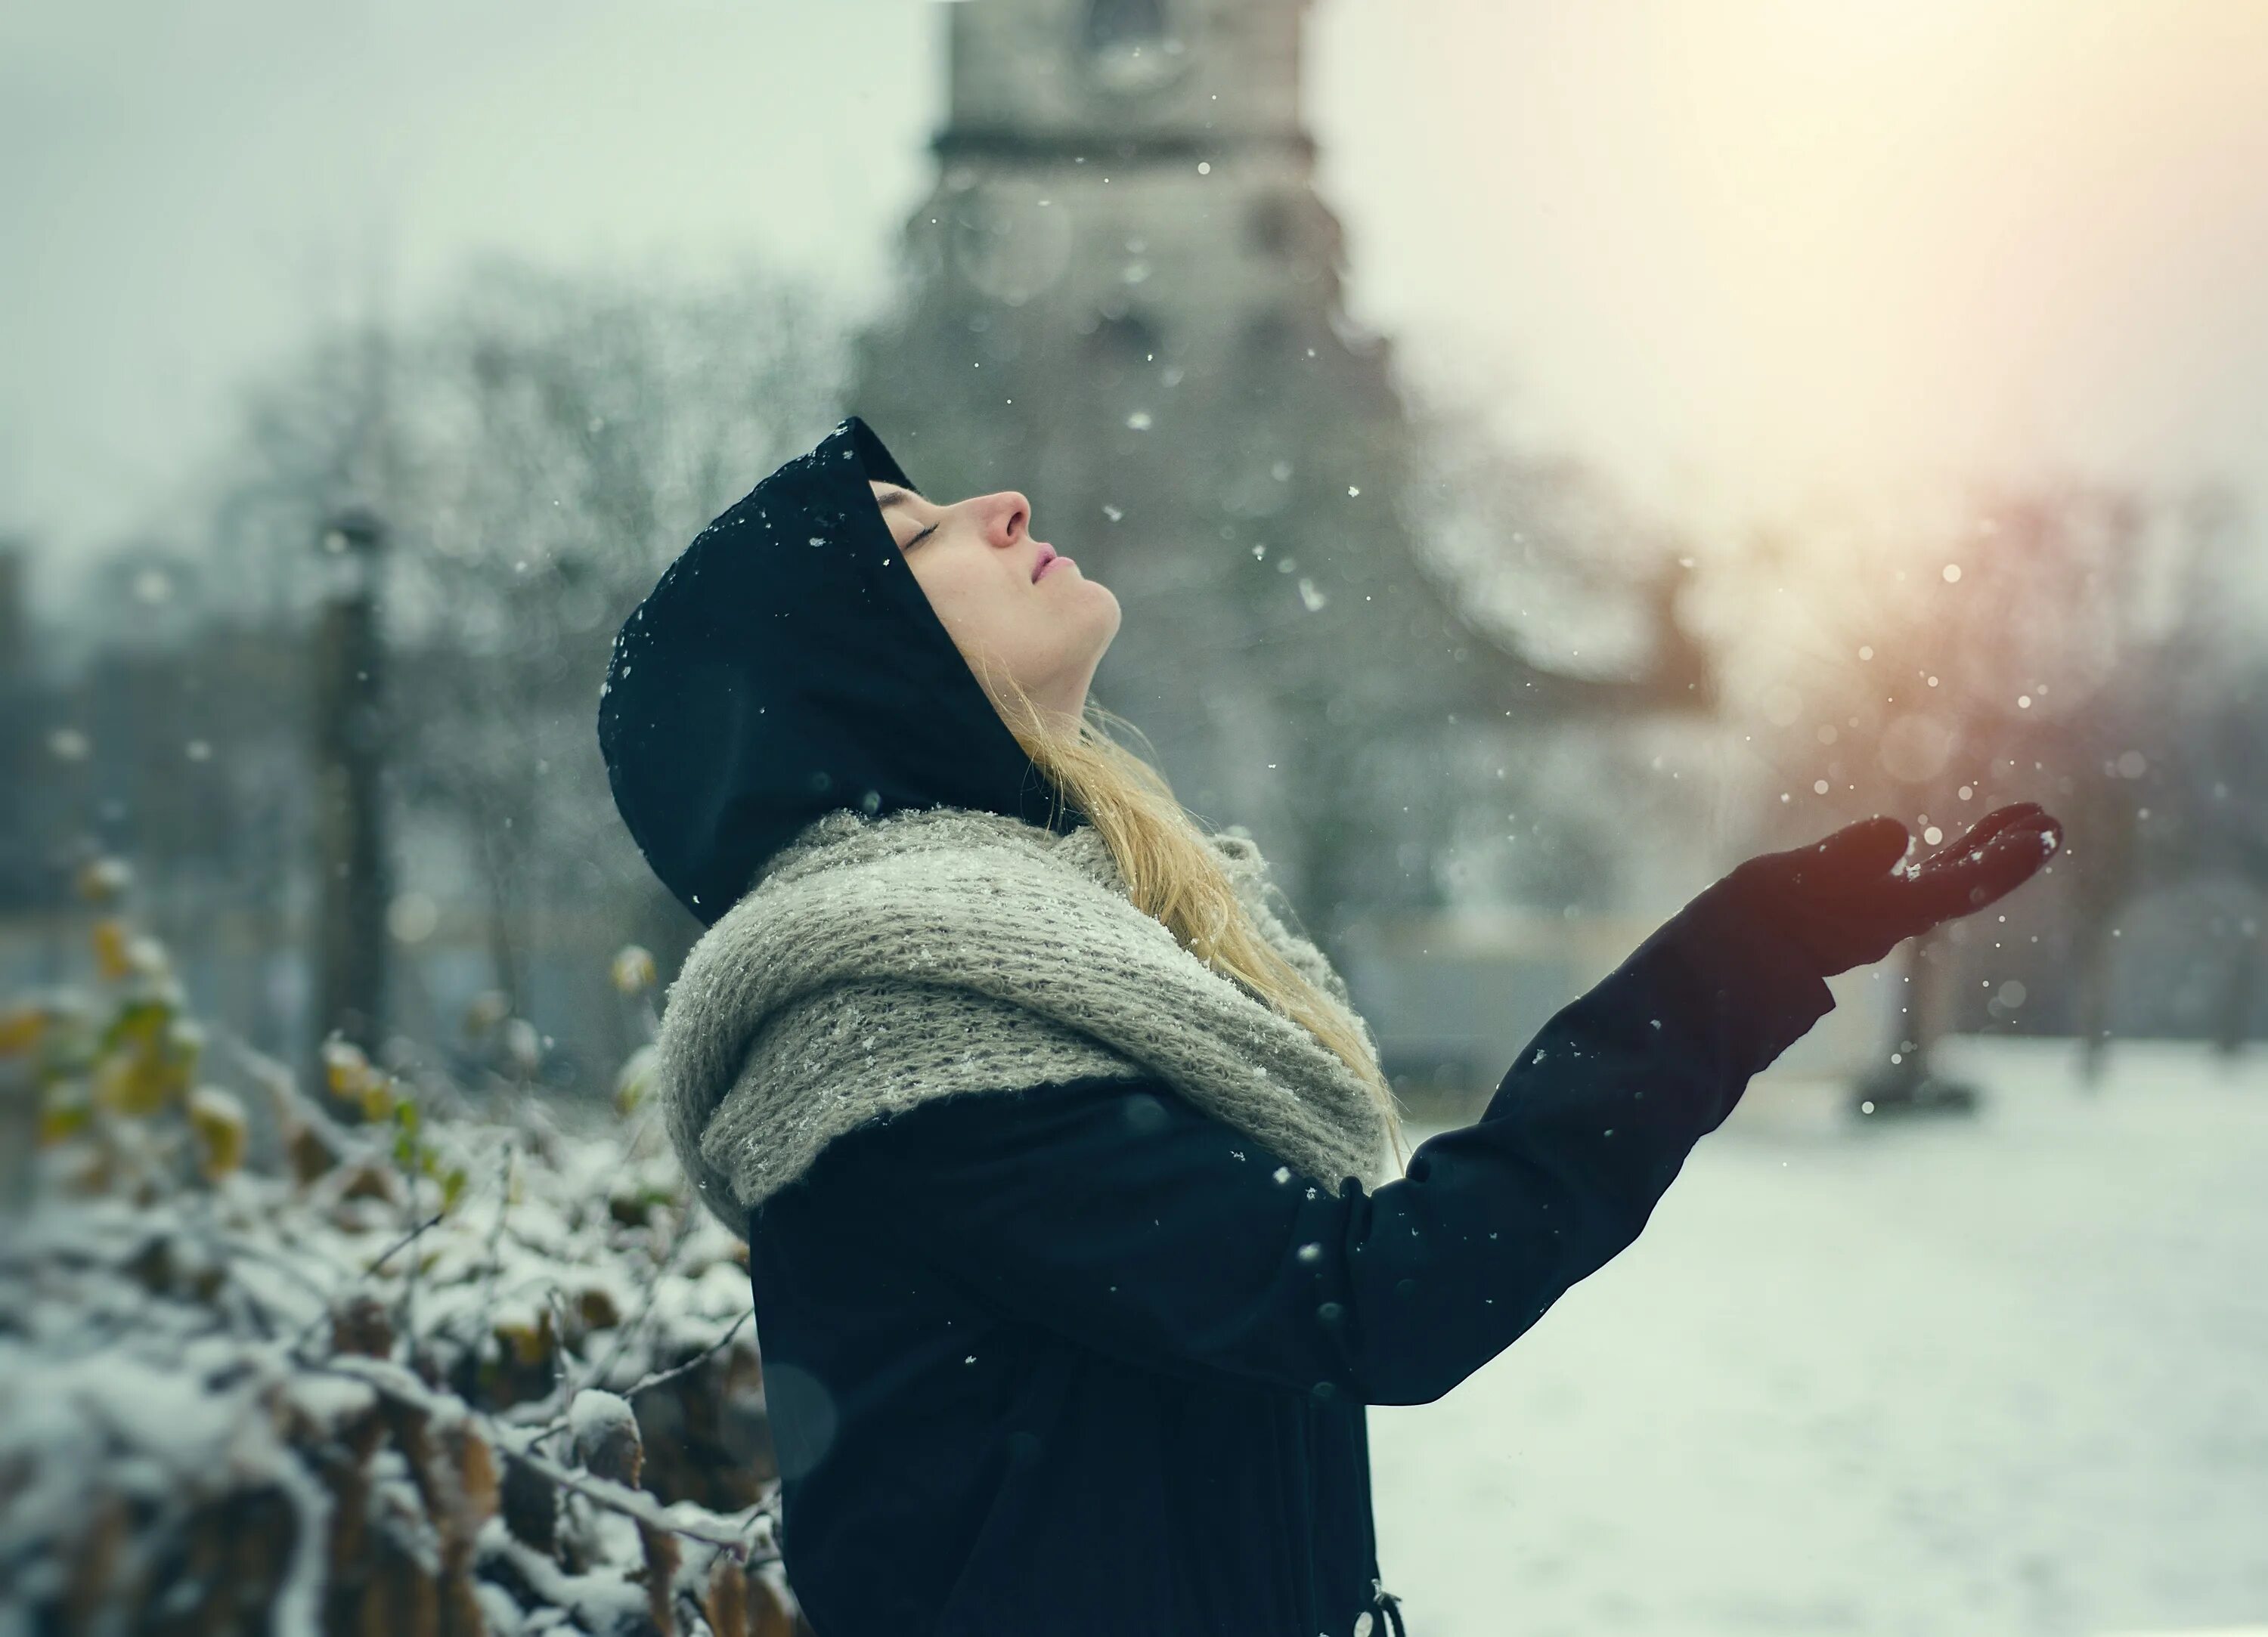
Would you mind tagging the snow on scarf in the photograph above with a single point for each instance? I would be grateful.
(880, 962)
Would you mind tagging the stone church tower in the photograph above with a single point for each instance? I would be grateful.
(1123, 297)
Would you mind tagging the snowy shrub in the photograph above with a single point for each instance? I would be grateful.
(450, 1368)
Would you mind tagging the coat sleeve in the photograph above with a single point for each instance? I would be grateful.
(1125, 1217)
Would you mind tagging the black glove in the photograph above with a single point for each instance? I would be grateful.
(1845, 905)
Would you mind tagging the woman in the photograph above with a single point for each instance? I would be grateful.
(1075, 1251)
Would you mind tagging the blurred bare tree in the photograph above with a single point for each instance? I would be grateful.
(2062, 644)
(539, 447)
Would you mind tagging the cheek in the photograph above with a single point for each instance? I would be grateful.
(980, 606)
(947, 588)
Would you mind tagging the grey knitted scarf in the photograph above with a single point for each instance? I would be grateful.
(878, 962)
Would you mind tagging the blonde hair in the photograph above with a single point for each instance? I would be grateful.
(1172, 874)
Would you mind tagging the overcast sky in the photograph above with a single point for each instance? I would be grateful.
(1736, 251)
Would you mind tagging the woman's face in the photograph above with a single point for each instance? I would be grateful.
(996, 590)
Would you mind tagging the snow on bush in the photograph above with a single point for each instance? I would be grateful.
(435, 1362)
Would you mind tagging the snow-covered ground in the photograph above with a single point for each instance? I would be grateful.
(2007, 1375)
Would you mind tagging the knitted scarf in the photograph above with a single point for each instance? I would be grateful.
(878, 962)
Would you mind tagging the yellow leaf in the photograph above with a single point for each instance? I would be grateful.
(218, 1119)
(345, 1068)
(21, 1030)
(113, 948)
(633, 971)
(138, 1084)
(635, 1081)
(138, 1026)
(60, 1120)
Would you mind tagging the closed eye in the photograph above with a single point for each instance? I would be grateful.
(919, 538)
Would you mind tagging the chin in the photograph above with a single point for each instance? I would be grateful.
(1100, 632)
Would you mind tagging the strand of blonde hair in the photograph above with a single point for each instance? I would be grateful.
(1173, 874)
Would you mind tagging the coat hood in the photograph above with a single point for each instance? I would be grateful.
(787, 664)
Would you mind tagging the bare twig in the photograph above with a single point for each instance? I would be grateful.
(560, 1394)
(661, 1377)
(405, 1388)
(633, 1503)
(403, 1243)
(495, 1268)
(299, 1342)
(626, 1333)
(405, 1156)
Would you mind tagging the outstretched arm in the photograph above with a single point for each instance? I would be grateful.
(1122, 1216)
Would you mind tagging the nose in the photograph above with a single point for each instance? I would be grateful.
(1007, 517)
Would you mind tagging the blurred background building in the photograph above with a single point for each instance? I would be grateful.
(1125, 295)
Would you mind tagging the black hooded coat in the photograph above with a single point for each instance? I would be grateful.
(1066, 1360)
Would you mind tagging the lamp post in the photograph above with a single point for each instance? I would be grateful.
(347, 667)
(18, 884)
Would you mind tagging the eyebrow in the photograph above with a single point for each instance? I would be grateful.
(896, 497)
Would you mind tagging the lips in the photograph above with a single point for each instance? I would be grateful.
(1047, 556)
